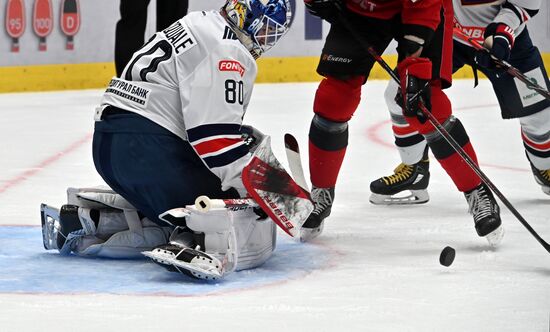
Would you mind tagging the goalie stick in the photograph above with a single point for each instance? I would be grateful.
(511, 70)
(204, 203)
(275, 191)
(444, 133)
(294, 161)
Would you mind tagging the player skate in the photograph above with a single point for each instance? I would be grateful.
(413, 179)
(62, 227)
(322, 200)
(486, 212)
(543, 178)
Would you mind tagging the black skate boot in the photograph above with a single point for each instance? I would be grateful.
(486, 212)
(414, 178)
(542, 178)
(322, 199)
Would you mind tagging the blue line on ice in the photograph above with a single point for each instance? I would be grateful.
(25, 267)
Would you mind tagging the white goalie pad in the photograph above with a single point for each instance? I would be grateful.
(235, 238)
(115, 230)
(98, 197)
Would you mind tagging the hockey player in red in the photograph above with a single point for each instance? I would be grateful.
(500, 26)
(423, 30)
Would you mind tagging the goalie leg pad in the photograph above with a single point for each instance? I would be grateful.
(223, 241)
(104, 233)
(124, 244)
(235, 236)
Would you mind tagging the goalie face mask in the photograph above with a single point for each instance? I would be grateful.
(259, 23)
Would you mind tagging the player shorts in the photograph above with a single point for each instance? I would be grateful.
(343, 56)
(514, 98)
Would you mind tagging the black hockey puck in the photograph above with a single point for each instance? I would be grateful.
(447, 256)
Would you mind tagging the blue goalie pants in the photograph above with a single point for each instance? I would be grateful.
(149, 166)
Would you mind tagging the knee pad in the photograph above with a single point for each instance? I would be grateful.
(328, 135)
(439, 145)
(337, 99)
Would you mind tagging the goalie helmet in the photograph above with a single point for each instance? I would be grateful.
(259, 24)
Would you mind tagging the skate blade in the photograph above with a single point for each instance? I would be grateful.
(414, 197)
(546, 190)
(495, 237)
(201, 272)
(308, 234)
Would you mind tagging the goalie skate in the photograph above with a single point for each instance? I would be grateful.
(408, 185)
(50, 226)
(60, 227)
(191, 262)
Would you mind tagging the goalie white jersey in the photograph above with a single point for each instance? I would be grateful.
(472, 16)
(195, 79)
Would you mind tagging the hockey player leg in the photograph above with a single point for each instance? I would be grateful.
(335, 102)
(482, 204)
(535, 132)
(408, 184)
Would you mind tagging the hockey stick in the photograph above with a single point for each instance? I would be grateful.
(511, 70)
(445, 134)
(294, 161)
(204, 203)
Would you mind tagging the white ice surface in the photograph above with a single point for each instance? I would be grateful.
(384, 274)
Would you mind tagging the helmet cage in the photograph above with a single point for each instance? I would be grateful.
(268, 33)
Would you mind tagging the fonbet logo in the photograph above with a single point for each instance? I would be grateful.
(231, 65)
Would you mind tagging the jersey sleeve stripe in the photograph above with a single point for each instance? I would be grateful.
(227, 157)
(537, 146)
(208, 130)
(216, 145)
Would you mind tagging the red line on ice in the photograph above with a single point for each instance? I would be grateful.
(10, 183)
